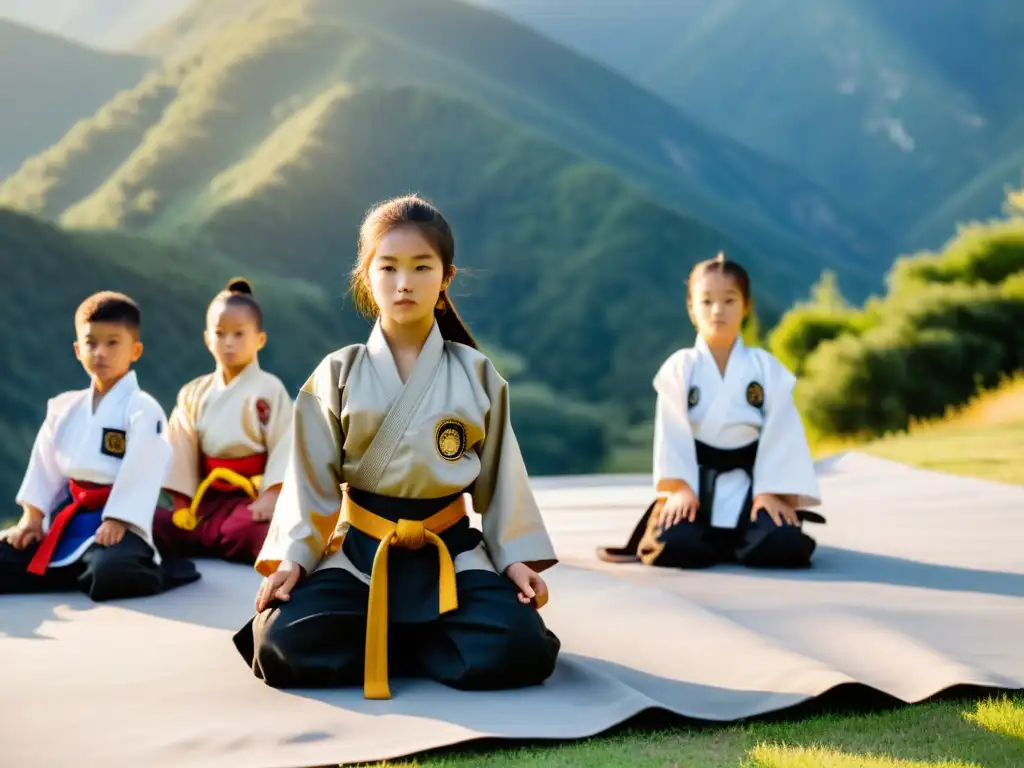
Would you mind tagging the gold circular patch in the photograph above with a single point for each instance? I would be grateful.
(450, 439)
(113, 442)
(755, 394)
(693, 397)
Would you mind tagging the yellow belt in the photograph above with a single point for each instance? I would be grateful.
(187, 518)
(405, 534)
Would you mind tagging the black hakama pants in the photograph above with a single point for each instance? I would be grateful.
(757, 544)
(317, 638)
(697, 544)
(123, 570)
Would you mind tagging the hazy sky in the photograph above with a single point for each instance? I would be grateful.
(101, 23)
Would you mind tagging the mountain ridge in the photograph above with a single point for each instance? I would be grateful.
(891, 109)
(46, 101)
(506, 66)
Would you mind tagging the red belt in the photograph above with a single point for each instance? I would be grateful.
(92, 498)
(246, 466)
(244, 474)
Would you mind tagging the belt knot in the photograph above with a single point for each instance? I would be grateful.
(410, 534)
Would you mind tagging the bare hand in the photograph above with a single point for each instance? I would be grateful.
(263, 507)
(681, 505)
(279, 584)
(778, 510)
(110, 533)
(532, 588)
(28, 530)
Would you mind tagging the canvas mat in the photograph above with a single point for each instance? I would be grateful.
(918, 585)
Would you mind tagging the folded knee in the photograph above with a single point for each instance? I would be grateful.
(684, 545)
(785, 547)
(519, 657)
(111, 577)
(272, 637)
(269, 648)
(242, 542)
(286, 654)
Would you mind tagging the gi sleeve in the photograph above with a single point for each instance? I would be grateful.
(183, 437)
(44, 484)
(309, 503)
(277, 438)
(675, 450)
(784, 466)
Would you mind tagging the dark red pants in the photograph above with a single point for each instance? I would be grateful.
(226, 530)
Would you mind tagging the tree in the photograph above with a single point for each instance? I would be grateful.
(825, 293)
(1015, 203)
(753, 332)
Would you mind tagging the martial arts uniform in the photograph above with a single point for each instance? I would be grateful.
(374, 509)
(230, 441)
(729, 439)
(88, 466)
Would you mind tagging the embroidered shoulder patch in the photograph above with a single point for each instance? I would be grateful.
(114, 443)
(755, 394)
(693, 397)
(263, 411)
(450, 439)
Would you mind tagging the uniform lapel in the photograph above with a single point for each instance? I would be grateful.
(720, 386)
(383, 364)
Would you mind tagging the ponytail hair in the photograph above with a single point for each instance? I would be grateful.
(238, 293)
(410, 210)
(450, 323)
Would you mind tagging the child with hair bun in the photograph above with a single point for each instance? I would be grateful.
(229, 431)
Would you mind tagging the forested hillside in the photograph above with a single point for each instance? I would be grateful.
(896, 105)
(235, 82)
(48, 83)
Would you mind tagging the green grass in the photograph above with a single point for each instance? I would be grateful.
(990, 453)
(986, 733)
(984, 438)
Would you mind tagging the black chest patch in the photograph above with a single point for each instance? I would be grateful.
(450, 439)
(114, 443)
(693, 397)
(755, 394)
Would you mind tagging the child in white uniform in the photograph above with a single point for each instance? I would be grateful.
(94, 476)
(732, 469)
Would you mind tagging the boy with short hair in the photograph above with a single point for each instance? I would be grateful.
(95, 475)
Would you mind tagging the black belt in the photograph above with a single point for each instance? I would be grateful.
(712, 462)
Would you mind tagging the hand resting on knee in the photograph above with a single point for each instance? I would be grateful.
(279, 584)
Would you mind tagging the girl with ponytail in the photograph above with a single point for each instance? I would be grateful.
(371, 530)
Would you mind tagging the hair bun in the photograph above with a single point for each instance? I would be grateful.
(720, 257)
(239, 285)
